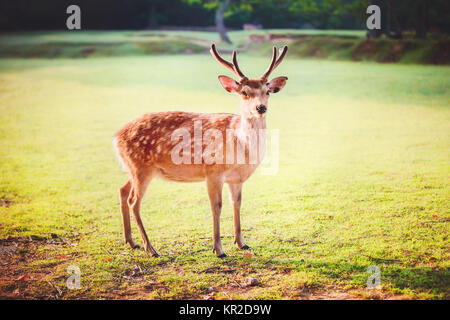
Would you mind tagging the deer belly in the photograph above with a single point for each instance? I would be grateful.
(181, 173)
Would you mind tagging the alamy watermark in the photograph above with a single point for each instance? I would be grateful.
(374, 21)
(238, 147)
(374, 280)
(73, 22)
(74, 281)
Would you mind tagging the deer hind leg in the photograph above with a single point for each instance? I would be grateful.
(215, 197)
(124, 193)
(140, 182)
(235, 197)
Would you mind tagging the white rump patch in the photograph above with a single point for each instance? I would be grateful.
(116, 149)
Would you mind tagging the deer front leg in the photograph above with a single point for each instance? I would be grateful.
(214, 186)
(236, 197)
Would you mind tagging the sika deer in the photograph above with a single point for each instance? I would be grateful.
(148, 147)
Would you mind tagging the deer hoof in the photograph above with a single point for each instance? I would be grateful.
(245, 247)
(136, 246)
(155, 255)
(223, 255)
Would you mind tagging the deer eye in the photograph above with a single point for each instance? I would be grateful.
(244, 94)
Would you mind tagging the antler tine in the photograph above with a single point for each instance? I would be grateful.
(231, 66)
(236, 66)
(281, 57)
(272, 64)
(275, 62)
(222, 61)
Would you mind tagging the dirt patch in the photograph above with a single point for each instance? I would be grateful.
(87, 51)
(306, 294)
(5, 202)
(18, 278)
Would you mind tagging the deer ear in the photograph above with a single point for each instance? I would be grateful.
(229, 84)
(277, 84)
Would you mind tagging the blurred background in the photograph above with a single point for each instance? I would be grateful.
(364, 149)
(420, 28)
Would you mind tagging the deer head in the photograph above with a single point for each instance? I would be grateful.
(254, 93)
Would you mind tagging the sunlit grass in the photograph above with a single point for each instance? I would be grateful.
(345, 45)
(363, 177)
(63, 44)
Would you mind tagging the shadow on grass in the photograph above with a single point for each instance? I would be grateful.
(394, 274)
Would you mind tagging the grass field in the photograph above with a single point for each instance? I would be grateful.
(56, 44)
(363, 180)
(342, 45)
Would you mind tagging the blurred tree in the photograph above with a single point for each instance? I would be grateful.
(420, 16)
(274, 14)
(318, 12)
(222, 8)
(152, 9)
(223, 5)
(422, 10)
(398, 16)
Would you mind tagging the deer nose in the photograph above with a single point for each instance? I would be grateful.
(261, 109)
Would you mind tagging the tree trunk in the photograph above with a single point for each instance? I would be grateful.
(422, 19)
(219, 21)
(395, 24)
(324, 21)
(388, 18)
(152, 19)
(392, 26)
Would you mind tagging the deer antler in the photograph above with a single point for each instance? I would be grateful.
(234, 67)
(275, 62)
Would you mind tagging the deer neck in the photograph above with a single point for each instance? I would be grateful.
(252, 133)
(249, 122)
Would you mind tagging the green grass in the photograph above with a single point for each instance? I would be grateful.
(363, 180)
(51, 44)
(327, 44)
(118, 36)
